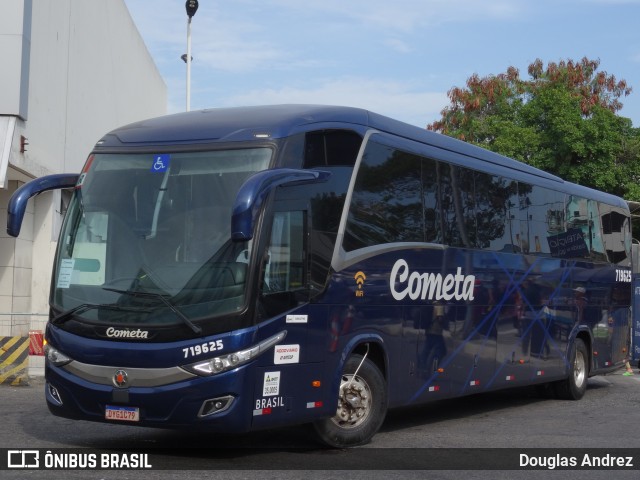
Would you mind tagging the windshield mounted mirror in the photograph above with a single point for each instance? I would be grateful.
(18, 202)
(256, 189)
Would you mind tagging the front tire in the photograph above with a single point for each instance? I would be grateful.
(362, 406)
(574, 386)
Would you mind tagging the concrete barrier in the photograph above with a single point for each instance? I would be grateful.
(14, 360)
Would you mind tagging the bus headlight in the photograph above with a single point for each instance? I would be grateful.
(55, 356)
(232, 360)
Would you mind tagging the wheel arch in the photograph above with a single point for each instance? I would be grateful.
(585, 335)
(373, 346)
(375, 352)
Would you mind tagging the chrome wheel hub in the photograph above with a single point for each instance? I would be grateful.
(579, 369)
(354, 403)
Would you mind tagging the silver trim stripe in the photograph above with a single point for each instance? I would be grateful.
(136, 377)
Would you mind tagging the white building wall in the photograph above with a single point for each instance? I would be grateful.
(88, 72)
(15, 34)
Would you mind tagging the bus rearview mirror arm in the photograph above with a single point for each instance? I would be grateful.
(18, 201)
(256, 189)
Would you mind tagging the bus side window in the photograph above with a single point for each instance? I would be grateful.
(331, 148)
(616, 234)
(284, 285)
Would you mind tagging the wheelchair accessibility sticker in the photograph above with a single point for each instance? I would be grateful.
(161, 162)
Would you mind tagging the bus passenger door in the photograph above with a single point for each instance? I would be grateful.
(284, 283)
(282, 387)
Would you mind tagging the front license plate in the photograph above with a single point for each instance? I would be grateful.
(123, 414)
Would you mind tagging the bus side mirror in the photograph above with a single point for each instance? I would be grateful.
(256, 189)
(18, 201)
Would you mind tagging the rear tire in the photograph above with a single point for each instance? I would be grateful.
(575, 385)
(362, 406)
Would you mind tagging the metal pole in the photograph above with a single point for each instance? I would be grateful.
(189, 64)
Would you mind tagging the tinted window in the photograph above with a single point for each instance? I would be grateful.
(595, 232)
(433, 226)
(496, 204)
(542, 216)
(331, 147)
(447, 209)
(402, 197)
(386, 205)
(283, 284)
(575, 240)
(615, 228)
(457, 204)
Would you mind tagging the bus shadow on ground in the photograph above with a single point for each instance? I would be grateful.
(481, 405)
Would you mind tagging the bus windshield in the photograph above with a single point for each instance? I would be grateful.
(146, 240)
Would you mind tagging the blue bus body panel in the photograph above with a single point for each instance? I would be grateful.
(177, 404)
(487, 344)
(516, 330)
(229, 125)
(141, 354)
(170, 406)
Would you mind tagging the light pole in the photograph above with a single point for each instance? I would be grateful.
(191, 7)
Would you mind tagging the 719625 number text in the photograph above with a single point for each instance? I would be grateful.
(202, 348)
(623, 275)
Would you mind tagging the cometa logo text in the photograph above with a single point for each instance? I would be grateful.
(113, 333)
(429, 286)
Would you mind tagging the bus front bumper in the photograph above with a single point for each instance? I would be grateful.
(210, 403)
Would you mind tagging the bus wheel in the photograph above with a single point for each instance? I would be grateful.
(575, 385)
(362, 406)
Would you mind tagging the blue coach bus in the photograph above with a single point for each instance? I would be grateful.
(247, 268)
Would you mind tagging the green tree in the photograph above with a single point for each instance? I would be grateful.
(629, 164)
(561, 119)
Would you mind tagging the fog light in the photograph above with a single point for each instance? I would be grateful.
(215, 405)
(53, 392)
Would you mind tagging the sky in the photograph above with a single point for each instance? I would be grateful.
(395, 57)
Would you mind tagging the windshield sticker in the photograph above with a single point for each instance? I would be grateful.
(297, 319)
(271, 385)
(161, 162)
(64, 275)
(286, 354)
(81, 178)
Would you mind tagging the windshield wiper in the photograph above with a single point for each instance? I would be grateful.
(83, 307)
(196, 329)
